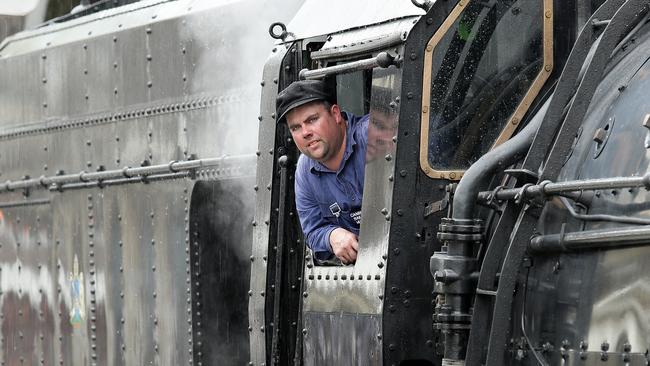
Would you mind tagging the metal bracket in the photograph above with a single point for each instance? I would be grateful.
(523, 175)
(436, 206)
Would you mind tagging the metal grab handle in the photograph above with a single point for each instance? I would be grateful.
(383, 60)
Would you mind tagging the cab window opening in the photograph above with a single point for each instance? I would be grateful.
(370, 119)
(482, 68)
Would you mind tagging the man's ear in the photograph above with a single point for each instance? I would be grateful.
(336, 112)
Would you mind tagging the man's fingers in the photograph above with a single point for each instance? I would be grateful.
(355, 245)
(353, 256)
(347, 255)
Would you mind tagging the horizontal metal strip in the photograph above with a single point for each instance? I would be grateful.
(113, 182)
(45, 201)
(125, 115)
(221, 167)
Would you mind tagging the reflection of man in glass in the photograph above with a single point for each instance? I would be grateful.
(330, 170)
(382, 126)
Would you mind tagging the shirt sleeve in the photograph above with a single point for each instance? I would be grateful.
(316, 229)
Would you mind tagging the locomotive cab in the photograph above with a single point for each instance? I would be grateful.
(442, 89)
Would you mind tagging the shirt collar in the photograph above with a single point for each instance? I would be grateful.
(350, 142)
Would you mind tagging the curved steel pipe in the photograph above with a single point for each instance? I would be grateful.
(498, 159)
(591, 240)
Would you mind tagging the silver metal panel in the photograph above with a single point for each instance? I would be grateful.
(72, 230)
(130, 241)
(56, 67)
(342, 339)
(29, 301)
(135, 67)
(97, 74)
(346, 15)
(266, 144)
(621, 297)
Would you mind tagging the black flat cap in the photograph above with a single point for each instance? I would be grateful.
(299, 93)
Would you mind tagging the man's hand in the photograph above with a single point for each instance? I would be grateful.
(344, 245)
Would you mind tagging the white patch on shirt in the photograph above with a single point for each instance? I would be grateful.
(356, 216)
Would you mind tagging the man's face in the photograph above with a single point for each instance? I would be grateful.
(317, 130)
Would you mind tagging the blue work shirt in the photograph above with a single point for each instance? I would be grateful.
(328, 199)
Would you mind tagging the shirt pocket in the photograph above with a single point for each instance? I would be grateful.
(326, 213)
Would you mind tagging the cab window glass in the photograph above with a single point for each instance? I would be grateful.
(352, 92)
(480, 71)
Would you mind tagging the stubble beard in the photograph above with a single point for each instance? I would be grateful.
(319, 154)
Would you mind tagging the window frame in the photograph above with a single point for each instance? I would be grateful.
(522, 107)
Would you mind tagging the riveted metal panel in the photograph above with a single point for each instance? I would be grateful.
(266, 143)
(96, 75)
(90, 108)
(19, 83)
(134, 64)
(28, 279)
(361, 334)
(72, 231)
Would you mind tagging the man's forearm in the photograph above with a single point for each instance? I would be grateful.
(318, 239)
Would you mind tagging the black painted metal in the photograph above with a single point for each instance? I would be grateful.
(284, 276)
(283, 161)
(453, 271)
(623, 21)
(501, 239)
(567, 84)
(486, 287)
(517, 245)
(526, 225)
(408, 307)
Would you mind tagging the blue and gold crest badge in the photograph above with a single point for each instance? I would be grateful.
(77, 306)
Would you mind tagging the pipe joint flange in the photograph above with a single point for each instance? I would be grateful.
(521, 195)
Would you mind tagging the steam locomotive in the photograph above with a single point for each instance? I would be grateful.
(503, 211)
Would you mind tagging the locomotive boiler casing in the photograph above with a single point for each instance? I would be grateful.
(589, 306)
(150, 266)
